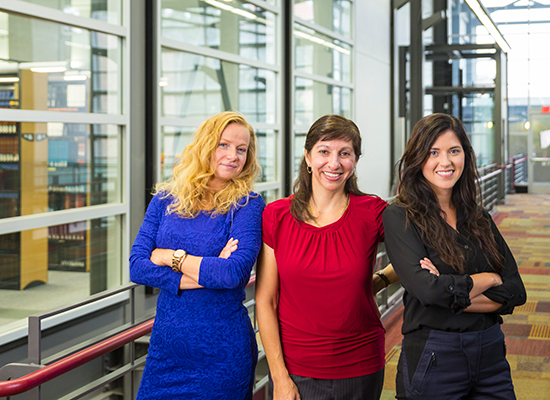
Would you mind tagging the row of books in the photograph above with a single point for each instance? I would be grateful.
(7, 128)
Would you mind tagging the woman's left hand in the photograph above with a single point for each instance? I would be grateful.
(229, 248)
(427, 264)
(162, 257)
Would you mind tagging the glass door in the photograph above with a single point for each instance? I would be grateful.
(539, 153)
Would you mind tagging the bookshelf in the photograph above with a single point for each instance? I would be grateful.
(43, 171)
(10, 194)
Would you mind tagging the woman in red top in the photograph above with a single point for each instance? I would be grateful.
(317, 316)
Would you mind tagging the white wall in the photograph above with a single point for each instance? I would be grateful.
(372, 93)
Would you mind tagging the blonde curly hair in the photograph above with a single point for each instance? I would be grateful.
(188, 184)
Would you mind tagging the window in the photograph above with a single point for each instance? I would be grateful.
(322, 65)
(220, 56)
(61, 149)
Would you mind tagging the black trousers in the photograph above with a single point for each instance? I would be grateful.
(454, 366)
(367, 387)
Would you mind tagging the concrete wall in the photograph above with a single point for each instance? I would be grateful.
(372, 72)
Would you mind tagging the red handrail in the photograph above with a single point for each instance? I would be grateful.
(42, 375)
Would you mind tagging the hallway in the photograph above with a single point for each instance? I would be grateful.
(524, 221)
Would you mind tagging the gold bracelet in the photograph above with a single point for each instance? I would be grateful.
(383, 277)
(177, 256)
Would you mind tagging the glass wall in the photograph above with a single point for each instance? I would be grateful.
(218, 56)
(61, 149)
(476, 72)
(212, 85)
(235, 27)
(526, 26)
(322, 52)
(106, 10)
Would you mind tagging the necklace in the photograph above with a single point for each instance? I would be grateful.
(343, 211)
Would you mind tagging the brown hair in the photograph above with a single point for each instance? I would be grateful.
(420, 202)
(328, 127)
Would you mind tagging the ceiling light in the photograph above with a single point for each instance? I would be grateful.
(6, 79)
(48, 70)
(45, 66)
(488, 23)
(234, 10)
(322, 42)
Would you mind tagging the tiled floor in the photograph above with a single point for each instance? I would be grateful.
(525, 224)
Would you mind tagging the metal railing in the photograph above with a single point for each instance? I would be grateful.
(515, 172)
(488, 182)
(17, 378)
(389, 299)
(517, 169)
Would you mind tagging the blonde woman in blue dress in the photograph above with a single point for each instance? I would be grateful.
(198, 242)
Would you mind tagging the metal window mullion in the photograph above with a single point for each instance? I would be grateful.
(187, 123)
(323, 79)
(262, 126)
(54, 218)
(279, 101)
(158, 93)
(266, 6)
(261, 186)
(61, 116)
(50, 14)
(125, 164)
(213, 53)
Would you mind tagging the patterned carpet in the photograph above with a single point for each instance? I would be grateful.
(524, 221)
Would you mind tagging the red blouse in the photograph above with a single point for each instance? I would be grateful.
(328, 318)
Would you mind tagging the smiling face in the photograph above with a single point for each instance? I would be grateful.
(230, 156)
(445, 163)
(332, 162)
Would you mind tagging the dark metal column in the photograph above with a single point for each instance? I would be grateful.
(287, 108)
(416, 53)
(442, 69)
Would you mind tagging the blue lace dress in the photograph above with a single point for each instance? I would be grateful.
(202, 344)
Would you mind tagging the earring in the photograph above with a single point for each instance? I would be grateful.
(309, 169)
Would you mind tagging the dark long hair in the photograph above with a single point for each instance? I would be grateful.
(328, 127)
(419, 200)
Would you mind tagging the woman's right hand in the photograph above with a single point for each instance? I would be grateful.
(229, 248)
(285, 389)
(426, 263)
(496, 277)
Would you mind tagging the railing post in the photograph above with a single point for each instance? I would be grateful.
(513, 174)
(35, 350)
(34, 340)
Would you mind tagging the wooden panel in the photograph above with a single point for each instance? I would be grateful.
(34, 179)
(34, 257)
